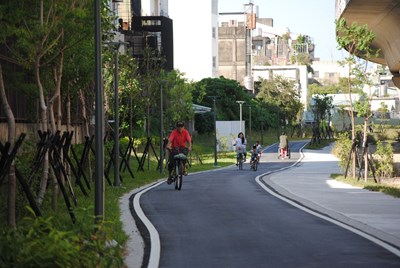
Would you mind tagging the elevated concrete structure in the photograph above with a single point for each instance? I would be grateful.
(382, 17)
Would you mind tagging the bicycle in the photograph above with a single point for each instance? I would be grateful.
(178, 167)
(240, 158)
(254, 164)
(283, 153)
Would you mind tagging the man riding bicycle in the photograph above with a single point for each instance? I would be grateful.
(177, 144)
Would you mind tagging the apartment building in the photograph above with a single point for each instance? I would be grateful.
(193, 33)
(195, 37)
(270, 46)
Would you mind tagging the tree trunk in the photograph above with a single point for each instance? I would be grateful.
(44, 127)
(56, 121)
(84, 114)
(68, 112)
(11, 221)
(365, 149)
(353, 131)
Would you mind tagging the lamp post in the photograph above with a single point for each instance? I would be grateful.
(215, 131)
(116, 46)
(99, 120)
(250, 126)
(161, 129)
(117, 181)
(262, 124)
(240, 122)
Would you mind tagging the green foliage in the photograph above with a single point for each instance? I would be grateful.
(47, 242)
(317, 146)
(363, 106)
(370, 185)
(355, 38)
(179, 98)
(281, 95)
(384, 160)
(342, 149)
(392, 191)
(318, 89)
(321, 107)
(227, 92)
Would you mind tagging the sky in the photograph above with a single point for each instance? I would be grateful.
(315, 18)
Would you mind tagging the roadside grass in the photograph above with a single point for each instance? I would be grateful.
(317, 146)
(370, 185)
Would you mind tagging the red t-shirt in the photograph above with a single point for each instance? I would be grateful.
(179, 139)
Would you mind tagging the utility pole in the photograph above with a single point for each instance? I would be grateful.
(250, 127)
(240, 104)
(215, 130)
(161, 130)
(250, 18)
(99, 121)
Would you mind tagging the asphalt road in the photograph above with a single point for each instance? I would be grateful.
(223, 218)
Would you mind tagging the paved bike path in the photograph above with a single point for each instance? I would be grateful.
(308, 184)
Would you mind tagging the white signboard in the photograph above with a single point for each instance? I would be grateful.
(227, 132)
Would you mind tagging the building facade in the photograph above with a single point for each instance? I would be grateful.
(195, 37)
(270, 46)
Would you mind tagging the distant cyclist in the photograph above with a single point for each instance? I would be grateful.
(254, 155)
(240, 145)
(177, 142)
(283, 144)
(259, 150)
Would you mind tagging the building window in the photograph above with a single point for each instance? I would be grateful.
(214, 62)
(214, 33)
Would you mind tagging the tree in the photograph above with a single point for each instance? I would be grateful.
(383, 110)
(357, 40)
(36, 37)
(281, 95)
(227, 92)
(321, 108)
(11, 139)
(179, 98)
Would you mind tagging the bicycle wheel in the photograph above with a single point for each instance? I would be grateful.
(255, 165)
(240, 161)
(179, 175)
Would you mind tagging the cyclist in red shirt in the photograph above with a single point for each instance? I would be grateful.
(177, 144)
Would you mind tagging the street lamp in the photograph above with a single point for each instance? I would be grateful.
(116, 46)
(215, 130)
(99, 119)
(240, 104)
(250, 125)
(161, 127)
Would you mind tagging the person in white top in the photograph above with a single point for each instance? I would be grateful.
(240, 144)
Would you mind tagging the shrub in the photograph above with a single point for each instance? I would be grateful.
(41, 242)
(384, 160)
(342, 149)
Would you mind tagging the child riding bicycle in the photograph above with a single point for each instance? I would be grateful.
(254, 155)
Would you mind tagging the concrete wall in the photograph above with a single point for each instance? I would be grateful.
(232, 54)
